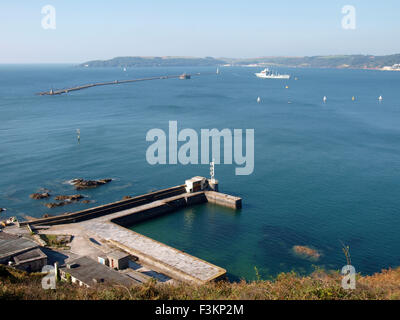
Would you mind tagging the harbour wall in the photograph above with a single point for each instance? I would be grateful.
(160, 208)
(223, 199)
(107, 208)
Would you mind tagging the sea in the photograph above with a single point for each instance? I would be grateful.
(326, 175)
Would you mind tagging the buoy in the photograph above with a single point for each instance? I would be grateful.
(78, 132)
(353, 98)
(324, 99)
(287, 87)
(258, 100)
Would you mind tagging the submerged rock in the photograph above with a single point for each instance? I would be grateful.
(307, 252)
(38, 196)
(75, 197)
(64, 200)
(51, 205)
(86, 184)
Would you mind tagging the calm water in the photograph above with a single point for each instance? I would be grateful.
(323, 173)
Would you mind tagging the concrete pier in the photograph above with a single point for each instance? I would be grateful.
(108, 223)
(223, 199)
(163, 258)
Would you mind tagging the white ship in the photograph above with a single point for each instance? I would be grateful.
(267, 74)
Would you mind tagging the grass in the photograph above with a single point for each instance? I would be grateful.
(51, 241)
(320, 285)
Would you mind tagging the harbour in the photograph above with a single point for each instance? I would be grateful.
(108, 224)
(296, 144)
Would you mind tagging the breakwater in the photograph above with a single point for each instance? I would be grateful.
(107, 83)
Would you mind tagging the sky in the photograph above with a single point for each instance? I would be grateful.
(90, 30)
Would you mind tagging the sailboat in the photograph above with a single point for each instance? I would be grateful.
(324, 99)
(217, 71)
(258, 100)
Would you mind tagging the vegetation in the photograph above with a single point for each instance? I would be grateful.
(56, 241)
(333, 61)
(16, 284)
(154, 62)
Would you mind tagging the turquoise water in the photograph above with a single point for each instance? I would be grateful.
(324, 173)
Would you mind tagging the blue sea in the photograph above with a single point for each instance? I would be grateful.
(325, 174)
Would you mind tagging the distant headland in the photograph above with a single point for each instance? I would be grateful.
(389, 62)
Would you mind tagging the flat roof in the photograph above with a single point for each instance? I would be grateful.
(12, 245)
(29, 256)
(87, 270)
(118, 254)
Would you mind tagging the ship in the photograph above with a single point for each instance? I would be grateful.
(267, 74)
(184, 76)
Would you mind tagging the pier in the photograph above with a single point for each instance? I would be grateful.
(110, 223)
(115, 82)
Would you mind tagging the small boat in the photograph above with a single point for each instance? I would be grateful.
(217, 71)
(124, 69)
(380, 98)
(324, 99)
(258, 100)
(267, 74)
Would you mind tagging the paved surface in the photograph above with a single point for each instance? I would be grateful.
(91, 238)
(170, 256)
(102, 227)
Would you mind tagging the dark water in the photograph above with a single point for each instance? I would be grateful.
(323, 173)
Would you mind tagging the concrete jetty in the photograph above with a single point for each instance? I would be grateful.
(109, 223)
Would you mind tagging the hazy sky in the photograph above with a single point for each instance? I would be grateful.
(87, 30)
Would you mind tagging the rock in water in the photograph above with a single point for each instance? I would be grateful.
(51, 205)
(307, 252)
(75, 197)
(86, 184)
(38, 196)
